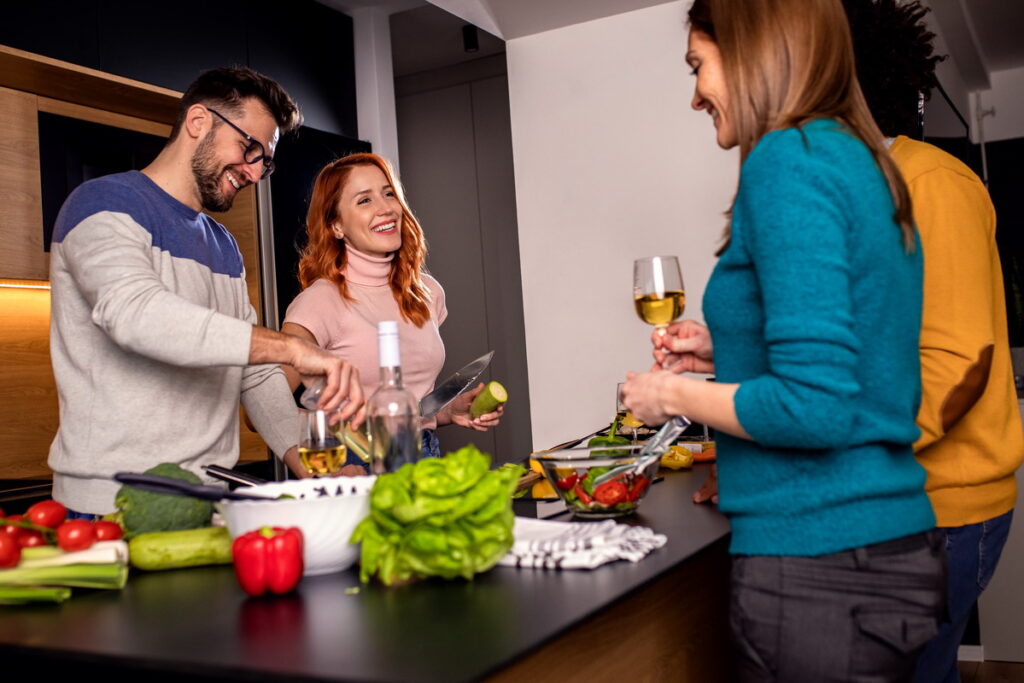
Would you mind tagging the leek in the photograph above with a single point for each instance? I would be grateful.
(102, 552)
(112, 576)
(19, 595)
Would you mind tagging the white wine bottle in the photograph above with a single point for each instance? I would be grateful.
(393, 412)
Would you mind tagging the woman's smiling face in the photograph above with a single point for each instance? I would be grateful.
(369, 213)
(711, 92)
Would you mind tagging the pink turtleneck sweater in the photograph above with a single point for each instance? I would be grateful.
(348, 329)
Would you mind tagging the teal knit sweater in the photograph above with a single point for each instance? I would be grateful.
(815, 310)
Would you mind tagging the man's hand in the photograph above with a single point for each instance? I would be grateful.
(457, 412)
(291, 459)
(342, 388)
(684, 346)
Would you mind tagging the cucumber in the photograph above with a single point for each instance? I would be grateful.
(175, 549)
(487, 400)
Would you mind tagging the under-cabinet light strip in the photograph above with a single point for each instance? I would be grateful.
(24, 284)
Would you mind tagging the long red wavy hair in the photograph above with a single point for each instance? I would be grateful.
(325, 254)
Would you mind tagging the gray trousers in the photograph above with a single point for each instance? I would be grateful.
(858, 615)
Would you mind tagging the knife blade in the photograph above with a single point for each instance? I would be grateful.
(448, 390)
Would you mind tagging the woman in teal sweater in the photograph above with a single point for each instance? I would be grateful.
(814, 310)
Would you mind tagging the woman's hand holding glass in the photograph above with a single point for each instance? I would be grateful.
(645, 395)
(457, 412)
(684, 346)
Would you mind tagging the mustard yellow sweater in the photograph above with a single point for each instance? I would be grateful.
(971, 440)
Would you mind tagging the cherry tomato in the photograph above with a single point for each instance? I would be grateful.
(10, 551)
(12, 531)
(107, 531)
(48, 513)
(29, 538)
(78, 534)
(569, 482)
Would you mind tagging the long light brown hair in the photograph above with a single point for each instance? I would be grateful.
(788, 62)
(325, 254)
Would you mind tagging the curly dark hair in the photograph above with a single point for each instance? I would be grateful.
(227, 88)
(895, 60)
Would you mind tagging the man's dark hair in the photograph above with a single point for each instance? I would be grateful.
(895, 64)
(226, 90)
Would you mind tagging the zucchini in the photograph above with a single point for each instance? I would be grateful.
(175, 549)
(488, 400)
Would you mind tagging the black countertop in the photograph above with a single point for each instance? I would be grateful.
(198, 622)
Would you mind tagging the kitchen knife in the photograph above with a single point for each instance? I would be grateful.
(448, 390)
(177, 487)
(232, 476)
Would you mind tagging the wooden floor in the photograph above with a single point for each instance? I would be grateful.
(991, 672)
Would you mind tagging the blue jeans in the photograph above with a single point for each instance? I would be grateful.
(972, 553)
(74, 514)
(431, 446)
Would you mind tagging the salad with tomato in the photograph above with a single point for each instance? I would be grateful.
(617, 496)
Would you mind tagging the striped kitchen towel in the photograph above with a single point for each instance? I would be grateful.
(548, 544)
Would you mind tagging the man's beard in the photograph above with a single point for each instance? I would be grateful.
(208, 177)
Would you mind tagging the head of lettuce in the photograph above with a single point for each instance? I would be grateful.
(446, 517)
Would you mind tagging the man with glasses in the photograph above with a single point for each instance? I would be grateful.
(153, 338)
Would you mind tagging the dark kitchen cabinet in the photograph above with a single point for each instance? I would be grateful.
(304, 45)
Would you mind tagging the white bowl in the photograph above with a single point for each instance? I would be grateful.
(327, 510)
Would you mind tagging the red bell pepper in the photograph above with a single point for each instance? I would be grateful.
(581, 494)
(639, 486)
(268, 559)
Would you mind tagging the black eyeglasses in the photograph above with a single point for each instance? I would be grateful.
(254, 151)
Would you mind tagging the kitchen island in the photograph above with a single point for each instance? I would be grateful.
(663, 618)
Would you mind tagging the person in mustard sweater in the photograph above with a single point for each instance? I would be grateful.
(971, 439)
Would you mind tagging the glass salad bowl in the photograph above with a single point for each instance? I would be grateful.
(600, 482)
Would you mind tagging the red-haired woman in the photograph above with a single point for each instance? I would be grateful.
(364, 263)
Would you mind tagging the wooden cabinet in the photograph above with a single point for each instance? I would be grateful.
(30, 84)
(21, 216)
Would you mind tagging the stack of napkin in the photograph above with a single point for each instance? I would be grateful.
(577, 545)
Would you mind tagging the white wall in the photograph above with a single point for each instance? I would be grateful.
(1007, 96)
(610, 164)
(1002, 603)
(939, 121)
(375, 81)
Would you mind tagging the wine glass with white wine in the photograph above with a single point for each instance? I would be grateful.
(658, 290)
(321, 451)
